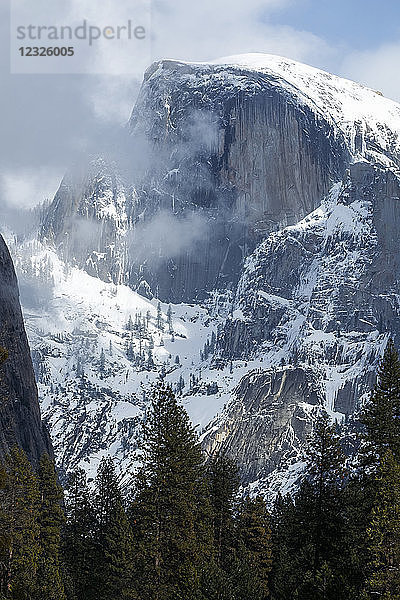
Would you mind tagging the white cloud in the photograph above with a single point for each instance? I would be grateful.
(201, 31)
(25, 188)
(181, 29)
(376, 68)
(209, 29)
(112, 98)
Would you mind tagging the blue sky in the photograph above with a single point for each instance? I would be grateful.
(360, 24)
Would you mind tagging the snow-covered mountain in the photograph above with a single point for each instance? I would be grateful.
(258, 196)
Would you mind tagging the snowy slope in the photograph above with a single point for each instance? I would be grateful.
(94, 406)
(284, 298)
(316, 303)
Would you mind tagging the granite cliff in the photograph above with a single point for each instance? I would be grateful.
(20, 421)
(258, 196)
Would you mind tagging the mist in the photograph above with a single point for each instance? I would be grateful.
(49, 122)
(166, 236)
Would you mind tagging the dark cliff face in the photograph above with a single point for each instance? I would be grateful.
(225, 147)
(20, 421)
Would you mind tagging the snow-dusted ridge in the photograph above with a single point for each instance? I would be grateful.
(93, 395)
(359, 112)
(280, 307)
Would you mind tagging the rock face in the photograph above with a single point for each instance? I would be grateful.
(265, 193)
(268, 424)
(88, 220)
(20, 421)
(229, 156)
(322, 296)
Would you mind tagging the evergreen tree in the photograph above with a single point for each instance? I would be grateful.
(222, 483)
(150, 360)
(213, 341)
(112, 538)
(102, 363)
(130, 353)
(129, 325)
(50, 520)
(159, 317)
(254, 551)
(355, 547)
(381, 416)
(169, 319)
(284, 549)
(384, 534)
(19, 505)
(318, 526)
(180, 385)
(381, 436)
(326, 472)
(78, 542)
(223, 480)
(4, 536)
(169, 510)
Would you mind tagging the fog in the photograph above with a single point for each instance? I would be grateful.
(49, 122)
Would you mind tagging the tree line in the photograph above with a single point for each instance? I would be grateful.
(183, 530)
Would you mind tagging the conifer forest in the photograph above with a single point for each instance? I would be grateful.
(182, 528)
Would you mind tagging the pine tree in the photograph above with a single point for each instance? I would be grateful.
(112, 537)
(254, 551)
(284, 549)
(130, 353)
(50, 520)
(381, 416)
(326, 470)
(102, 364)
(78, 539)
(353, 565)
(180, 385)
(381, 436)
(4, 534)
(318, 526)
(150, 360)
(169, 319)
(223, 480)
(384, 534)
(169, 510)
(19, 505)
(159, 317)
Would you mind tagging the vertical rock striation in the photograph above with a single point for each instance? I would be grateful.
(20, 421)
(267, 192)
